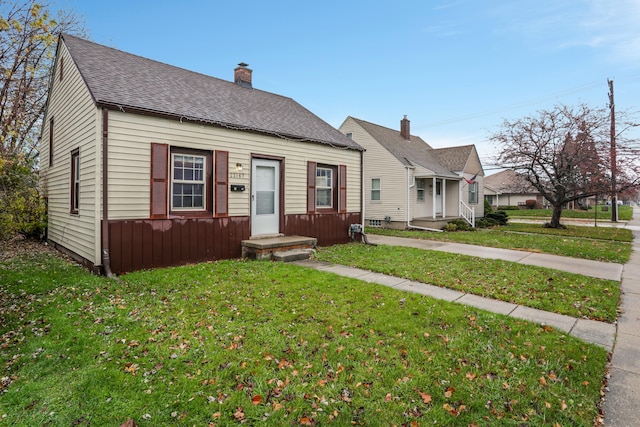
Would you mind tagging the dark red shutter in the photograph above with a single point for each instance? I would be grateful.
(222, 183)
(159, 179)
(311, 187)
(342, 198)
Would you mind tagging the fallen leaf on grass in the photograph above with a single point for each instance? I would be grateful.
(426, 398)
(131, 368)
(449, 392)
(239, 414)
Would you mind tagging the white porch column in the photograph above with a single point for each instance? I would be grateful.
(444, 198)
(433, 201)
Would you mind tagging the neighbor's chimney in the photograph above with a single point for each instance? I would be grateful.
(405, 130)
(242, 75)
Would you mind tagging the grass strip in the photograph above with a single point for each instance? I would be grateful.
(625, 213)
(569, 242)
(542, 288)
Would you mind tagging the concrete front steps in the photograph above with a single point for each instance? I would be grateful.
(279, 248)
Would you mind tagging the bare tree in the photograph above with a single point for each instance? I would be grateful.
(563, 153)
(28, 35)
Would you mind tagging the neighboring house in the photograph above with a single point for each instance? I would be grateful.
(465, 162)
(508, 188)
(148, 165)
(407, 183)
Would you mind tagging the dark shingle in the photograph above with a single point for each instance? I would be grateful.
(119, 79)
(415, 151)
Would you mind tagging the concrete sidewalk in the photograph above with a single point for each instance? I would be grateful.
(622, 397)
(621, 404)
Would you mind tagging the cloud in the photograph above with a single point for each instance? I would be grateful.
(609, 28)
(614, 26)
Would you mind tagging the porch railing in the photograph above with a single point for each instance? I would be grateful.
(468, 213)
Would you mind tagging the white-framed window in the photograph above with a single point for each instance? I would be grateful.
(75, 181)
(324, 187)
(375, 189)
(188, 182)
(375, 222)
(420, 184)
(473, 193)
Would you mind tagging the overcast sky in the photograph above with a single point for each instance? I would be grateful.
(456, 68)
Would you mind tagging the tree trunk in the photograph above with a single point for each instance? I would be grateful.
(555, 217)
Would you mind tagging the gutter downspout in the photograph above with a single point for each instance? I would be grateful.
(362, 194)
(106, 260)
(410, 185)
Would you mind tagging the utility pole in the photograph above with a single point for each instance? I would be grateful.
(614, 184)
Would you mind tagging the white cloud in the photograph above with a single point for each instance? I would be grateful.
(609, 27)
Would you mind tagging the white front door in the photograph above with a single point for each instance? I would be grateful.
(265, 197)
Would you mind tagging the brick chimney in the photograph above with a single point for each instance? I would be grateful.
(405, 128)
(242, 75)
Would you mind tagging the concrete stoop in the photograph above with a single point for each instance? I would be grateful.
(293, 255)
(279, 248)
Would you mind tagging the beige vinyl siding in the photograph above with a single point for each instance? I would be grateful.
(75, 127)
(452, 204)
(379, 163)
(130, 136)
(472, 168)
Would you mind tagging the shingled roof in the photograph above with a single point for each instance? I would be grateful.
(129, 82)
(454, 158)
(509, 181)
(414, 151)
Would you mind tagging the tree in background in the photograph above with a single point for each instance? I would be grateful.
(28, 36)
(22, 209)
(564, 154)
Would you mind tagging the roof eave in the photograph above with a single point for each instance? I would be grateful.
(183, 118)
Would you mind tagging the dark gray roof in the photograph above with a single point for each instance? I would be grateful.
(133, 83)
(415, 151)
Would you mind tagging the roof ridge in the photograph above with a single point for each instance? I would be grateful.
(166, 64)
(119, 79)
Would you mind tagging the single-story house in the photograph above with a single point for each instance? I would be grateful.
(409, 184)
(149, 165)
(508, 188)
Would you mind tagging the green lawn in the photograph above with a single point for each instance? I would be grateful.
(595, 243)
(260, 343)
(625, 213)
(546, 289)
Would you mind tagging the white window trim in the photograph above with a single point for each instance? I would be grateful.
(329, 187)
(75, 182)
(422, 189)
(181, 181)
(473, 185)
(379, 190)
